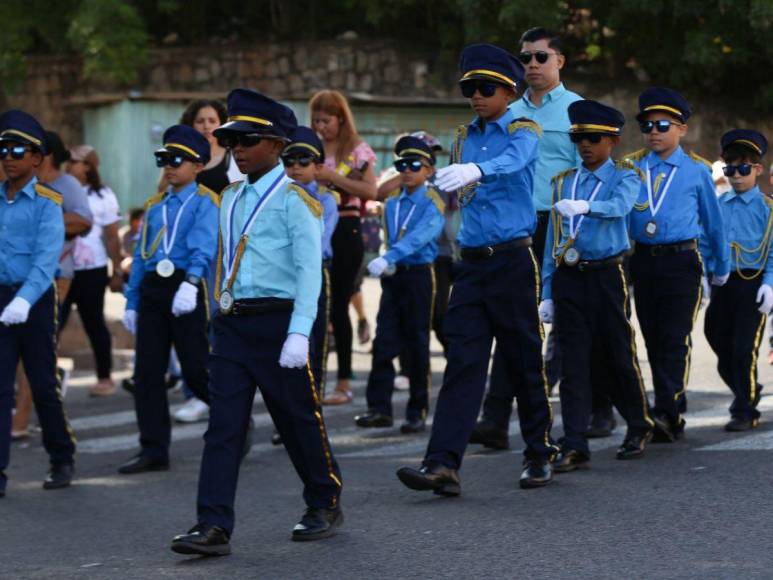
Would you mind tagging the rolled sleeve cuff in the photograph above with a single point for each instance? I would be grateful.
(300, 324)
(30, 293)
(195, 270)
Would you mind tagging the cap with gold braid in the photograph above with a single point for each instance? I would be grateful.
(187, 141)
(749, 138)
(21, 127)
(252, 112)
(305, 142)
(491, 63)
(664, 100)
(588, 116)
(410, 147)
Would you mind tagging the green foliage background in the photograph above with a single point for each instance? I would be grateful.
(711, 47)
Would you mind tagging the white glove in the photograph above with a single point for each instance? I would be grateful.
(295, 351)
(377, 266)
(457, 175)
(16, 312)
(546, 311)
(184, 299)
(719, 280)
(706, 296)
(765, 299)
(130, 321)
(570, 208)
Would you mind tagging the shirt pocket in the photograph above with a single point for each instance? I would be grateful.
(270, 230)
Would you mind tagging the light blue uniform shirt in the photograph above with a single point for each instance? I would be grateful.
(603, 232)
(746, 216)
(31, 240)
(329, 215)
(556, 152)
(413, 241)
(194, 246)
(690, 208)
(502, 208)
(283, 257)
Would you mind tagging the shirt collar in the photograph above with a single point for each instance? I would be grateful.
(603, 173)
(554, 94)
(262, 184)
(502, 122)
(28, 189)
(184, 193)
(674, 159)
(747, 196)
(412, 197)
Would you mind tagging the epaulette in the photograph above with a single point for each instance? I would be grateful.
(563, 174)
(229, 186)
(434, 196)
(49, 193)
(626, 163)
(314, 206)
(333, 193)
(636, 155)
(461, 132)
(768, 201)
(524, 123)
(207, 192)
(153, 200)
(697, 158)
(393, 193)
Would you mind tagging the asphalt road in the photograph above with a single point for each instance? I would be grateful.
(696, 509)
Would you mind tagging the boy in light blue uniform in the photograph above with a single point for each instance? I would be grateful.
(413, 221)
(735, 318)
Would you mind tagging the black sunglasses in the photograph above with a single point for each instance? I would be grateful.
(231, 140)
(485, 88)
(743, 170)
(164, 159)
(403, 165)
(17, 151)
(304, 161)
(541, 56)
(662, 125)
(579, 137)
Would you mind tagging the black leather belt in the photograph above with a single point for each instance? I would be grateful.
(584, 265)
(483, 252)
(409, 267)
(663, 249)
(250, 306)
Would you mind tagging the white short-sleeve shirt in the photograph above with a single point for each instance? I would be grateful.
(91, 252)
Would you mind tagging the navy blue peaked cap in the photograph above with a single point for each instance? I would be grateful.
(252, 112)
(188, 141)
(664, 100)
(489, 62)
(21, 127)
(588, 116)
(304, 141)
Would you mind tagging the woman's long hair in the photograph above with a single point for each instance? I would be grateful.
(335, 104)
(88, 155)
(193, 108)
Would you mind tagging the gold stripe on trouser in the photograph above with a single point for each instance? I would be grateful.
(429, 333)
(757, 341)
(687, 341)
(322, 432)
(57, 382)
(325, 340)
(634, 354)
(545, 387)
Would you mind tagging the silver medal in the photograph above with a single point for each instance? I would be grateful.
(165, 268)
(650, 229)
(226, 302)
(571, 257)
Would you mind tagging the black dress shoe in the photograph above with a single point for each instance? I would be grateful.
(140, 464)
(203, 540)
(437, 478)
(373, 419)
(570, 460)
(537, 473)
(740, 424)
(489, 435)
(318, 523)
(276, 438)
(413, 426)
(601, 425)
(633, 446)
(665, 430)
(59, 476)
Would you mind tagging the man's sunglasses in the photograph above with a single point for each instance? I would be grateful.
(579, 137)
(403, 165)
(743, 169)
(231, 140)
(662, 125)
(304, 161)
(485, 88)
(16, 152)
(174, 161)
(541, 56)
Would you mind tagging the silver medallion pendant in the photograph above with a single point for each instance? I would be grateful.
(650, 229)
(571, 257)
(165, 268)
(226, 302)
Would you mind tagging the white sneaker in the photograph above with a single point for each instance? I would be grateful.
(192, 411)
(402, 383)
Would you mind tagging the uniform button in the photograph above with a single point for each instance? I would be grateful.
(484, 148)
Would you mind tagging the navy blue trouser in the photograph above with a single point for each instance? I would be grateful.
(492, 298)
(667, 297)
(245, 355)
(591, 311)
(157, 330)
(35, 343)
(403, 326)
(318, 359)
(735, 328)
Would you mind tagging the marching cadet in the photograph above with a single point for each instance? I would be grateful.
(166, 301)
(584, 285)
(676, 203)
(413, 221)
(735, 317)
(496, 289)
(301, 159)
(30, 245)
(268, 284)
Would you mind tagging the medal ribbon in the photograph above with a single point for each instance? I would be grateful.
(574, 230)
(400, 230)
(655, 206)
(169, 240)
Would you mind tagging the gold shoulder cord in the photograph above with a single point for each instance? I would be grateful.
(467, 192)
(240, 248)
(144, 252)
(764, 249)
(559, 249)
